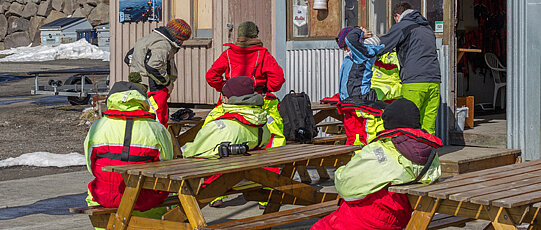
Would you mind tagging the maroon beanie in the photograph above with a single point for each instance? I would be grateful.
(341, 38)
(238, 86)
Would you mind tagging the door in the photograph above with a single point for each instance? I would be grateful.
(257, 11)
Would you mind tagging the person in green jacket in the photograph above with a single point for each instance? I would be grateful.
(244, 121)
(396, 156)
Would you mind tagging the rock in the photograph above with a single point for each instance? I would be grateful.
(6, 5)
(17, 24)
(35, 23)
(69, 6)
(58, 4)
(15, 9)
(37, 38)
(35, 1)
(45, 8)
(30, 10)
(21, 1)
(78, 13)
(53, 16)
(93, 3)
(2, 47)
(105, 2)
(100, 15)
(81, 2)
(16, 39)
(86, 9)
(3, 27)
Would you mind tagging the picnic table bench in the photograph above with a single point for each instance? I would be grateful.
(184, 176)
(507, 196)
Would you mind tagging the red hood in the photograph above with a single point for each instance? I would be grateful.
(238, 49)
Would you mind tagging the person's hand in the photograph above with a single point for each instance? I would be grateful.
(366, 33)
(170, 88)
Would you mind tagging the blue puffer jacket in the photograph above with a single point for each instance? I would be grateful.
(356, 70)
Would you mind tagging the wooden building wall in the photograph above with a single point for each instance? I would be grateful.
(196, 55)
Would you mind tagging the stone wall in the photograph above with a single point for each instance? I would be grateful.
(20, 20)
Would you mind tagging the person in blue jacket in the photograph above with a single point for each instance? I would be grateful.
(356, 70)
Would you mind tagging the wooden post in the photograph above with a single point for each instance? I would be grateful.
(275, 197)
(189, 203)
(125, 208)
(425, 208)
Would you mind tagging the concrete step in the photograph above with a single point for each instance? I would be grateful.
(493, 140)
(462, 159)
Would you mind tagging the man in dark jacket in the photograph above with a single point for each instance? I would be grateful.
(415, 44)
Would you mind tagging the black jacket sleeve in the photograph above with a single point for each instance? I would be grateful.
(392, 38)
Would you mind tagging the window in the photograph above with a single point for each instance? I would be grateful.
(306, 23)
(381, 19)
(200, 18)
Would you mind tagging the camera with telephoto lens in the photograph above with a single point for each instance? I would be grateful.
(226, 148)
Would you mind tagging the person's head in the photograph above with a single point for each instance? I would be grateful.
(238, 86)
(402, 113)
(248, 29)
(124, 86)
(399, 8)
(341, 38)
(180, 29)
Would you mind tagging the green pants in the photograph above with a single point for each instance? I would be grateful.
(426, 95)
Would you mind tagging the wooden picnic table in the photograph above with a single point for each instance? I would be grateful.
(184, 176)
(506, 196)
(325, 110)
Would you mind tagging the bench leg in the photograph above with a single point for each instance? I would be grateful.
(174, 130)
(189, 203)
(275, 197)
(304, 175)
(175, 214)
(535, 224)
(125, 208)
(323, 174)
(501, 220)
(425, 208)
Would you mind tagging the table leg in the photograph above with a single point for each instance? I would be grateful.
(174, 130)
(175, 214)
(425, 208)
(535, 224)
(189, 135)
(275, 196)
(189, 203)
(501, 220)
(125, 209)
(323, 174)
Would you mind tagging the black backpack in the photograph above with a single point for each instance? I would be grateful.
(298, 118)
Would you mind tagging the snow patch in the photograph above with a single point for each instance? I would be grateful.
(45, 159)
(76, 50)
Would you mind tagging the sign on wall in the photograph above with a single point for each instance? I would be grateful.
(299, 15)
(140, 10)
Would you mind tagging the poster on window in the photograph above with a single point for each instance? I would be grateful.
(140, 10)
(299, 15)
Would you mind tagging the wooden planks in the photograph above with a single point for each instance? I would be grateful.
(507, 186)
(279, 218)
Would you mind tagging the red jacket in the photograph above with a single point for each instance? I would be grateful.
(255, 61)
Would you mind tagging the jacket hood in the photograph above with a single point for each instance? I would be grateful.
(130, 100)
(414, 144)
(167, 35)
(248, 99)
(251, 115)
(238, 49)
(414, 16)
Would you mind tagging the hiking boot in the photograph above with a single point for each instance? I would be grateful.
(262, 206)
(216, 203)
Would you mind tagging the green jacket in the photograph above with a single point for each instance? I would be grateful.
(148, 135)
(386, 77)
(376, 165)
(240, 122)
(153, 56)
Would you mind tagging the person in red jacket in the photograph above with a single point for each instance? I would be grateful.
(248, 57)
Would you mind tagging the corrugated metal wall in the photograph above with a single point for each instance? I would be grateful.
(314, 71)
(524, 78)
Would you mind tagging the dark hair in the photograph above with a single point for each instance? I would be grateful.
(400, 7)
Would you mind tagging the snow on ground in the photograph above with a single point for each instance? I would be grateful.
(76, 50)
(45, 159)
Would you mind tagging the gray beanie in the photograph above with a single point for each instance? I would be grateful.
(374, 40)
(248, 29)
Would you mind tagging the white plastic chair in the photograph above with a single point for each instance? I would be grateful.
(496, 68)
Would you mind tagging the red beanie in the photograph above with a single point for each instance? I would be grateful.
(180, 29)
(238, 86)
